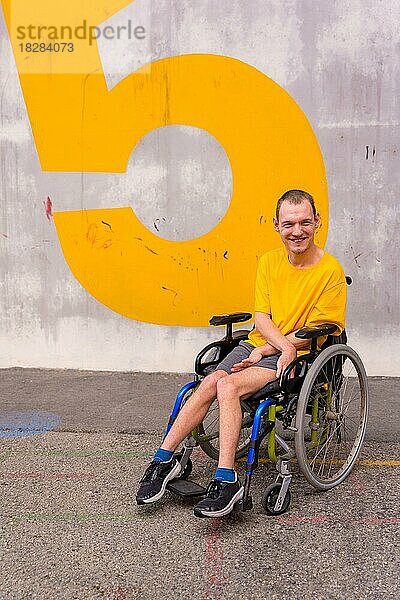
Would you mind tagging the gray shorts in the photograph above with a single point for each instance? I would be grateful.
(242, 351)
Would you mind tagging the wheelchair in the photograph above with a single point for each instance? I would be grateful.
(324, 406)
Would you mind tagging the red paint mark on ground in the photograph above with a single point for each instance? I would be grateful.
(48, 205)
(378, 521)
(295, 520)
(214, 557)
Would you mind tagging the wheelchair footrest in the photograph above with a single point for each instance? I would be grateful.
(183, 487)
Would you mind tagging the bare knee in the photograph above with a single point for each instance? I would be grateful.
(208, 387)
(210, 382)
(227, 389)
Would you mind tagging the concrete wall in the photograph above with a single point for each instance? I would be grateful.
(339, 63)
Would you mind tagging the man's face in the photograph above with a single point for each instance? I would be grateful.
(296, 226)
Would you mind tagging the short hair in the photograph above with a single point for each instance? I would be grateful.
(295, 197)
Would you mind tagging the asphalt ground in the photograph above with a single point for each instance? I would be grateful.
(70, 529)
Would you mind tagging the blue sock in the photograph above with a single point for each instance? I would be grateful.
(227, 475)
(162, 455)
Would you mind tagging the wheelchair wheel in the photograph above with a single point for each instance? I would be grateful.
(270, 497)
(331, 416)
(207, 433)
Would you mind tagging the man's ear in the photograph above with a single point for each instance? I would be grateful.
(276, 224)
(318, 221)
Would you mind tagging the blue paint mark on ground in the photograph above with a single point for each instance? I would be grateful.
(14, 424)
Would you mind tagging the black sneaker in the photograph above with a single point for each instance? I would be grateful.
(155, 479)
(220, 500)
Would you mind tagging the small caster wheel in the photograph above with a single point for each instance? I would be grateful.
(270, 497)
(188, 468)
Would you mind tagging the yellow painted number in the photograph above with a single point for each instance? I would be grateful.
(79, 125)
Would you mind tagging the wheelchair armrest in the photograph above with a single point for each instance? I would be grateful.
(309, 333)
(293, 384)
(220, 346)
(231, 318)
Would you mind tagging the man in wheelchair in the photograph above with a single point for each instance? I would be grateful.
(297, 285)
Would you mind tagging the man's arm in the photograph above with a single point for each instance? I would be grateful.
(277, 342)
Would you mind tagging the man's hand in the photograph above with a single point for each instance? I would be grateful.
(285, 359)
(253, 358)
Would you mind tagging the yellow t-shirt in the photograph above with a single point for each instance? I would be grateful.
(299, 297)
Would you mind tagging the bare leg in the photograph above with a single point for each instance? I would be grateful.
(194, 411)
(229, 391)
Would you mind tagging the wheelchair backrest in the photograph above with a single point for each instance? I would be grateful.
(335, 339)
